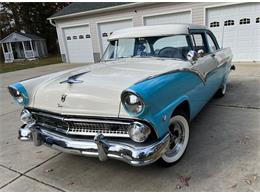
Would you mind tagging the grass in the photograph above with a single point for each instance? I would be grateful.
(9, 67)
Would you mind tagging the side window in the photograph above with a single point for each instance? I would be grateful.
(199, 42)
(211, 43)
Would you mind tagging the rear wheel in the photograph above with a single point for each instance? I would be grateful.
(222, 91)
(179, 132)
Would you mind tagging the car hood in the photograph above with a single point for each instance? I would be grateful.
(99, 86)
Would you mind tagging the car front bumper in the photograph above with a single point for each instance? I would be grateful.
(136, 155)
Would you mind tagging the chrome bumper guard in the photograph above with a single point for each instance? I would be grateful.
(98, 147)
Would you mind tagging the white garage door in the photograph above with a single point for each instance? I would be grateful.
(78, 44)
(180, 17)
(238, 27)
(105, 29)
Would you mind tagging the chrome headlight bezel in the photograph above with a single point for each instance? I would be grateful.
(132, 102)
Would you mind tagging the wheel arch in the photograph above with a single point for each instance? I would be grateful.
(183, 106)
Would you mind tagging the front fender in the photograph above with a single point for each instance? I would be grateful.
(164, 93)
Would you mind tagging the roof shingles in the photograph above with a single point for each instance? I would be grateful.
(83, 7)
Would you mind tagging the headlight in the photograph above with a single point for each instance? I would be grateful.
(132, 103)
(26, 117)
(19, 93)
(139, 132)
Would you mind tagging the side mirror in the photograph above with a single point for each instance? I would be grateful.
(192, 56)
(201, 53)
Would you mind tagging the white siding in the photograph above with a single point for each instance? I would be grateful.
(198, 16)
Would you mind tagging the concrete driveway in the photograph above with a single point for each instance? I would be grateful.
(223, 153)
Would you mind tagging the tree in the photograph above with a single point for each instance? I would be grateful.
(30, 18)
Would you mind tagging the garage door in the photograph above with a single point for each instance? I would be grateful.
(78, 44)
(180, 17)
(238, 27)
(107, 28)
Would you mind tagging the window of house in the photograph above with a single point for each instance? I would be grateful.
(68, 38)
(75, 37)
(229, 23)
(214, 24)
(87, 36)
(257, 20)
(244, 21)
(81, 37)
(104, 35)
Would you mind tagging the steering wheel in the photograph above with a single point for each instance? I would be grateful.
(167, 52)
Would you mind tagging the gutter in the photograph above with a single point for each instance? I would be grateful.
(99, 10)
(51, 22)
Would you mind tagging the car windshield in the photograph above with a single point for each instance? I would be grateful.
(174, 46)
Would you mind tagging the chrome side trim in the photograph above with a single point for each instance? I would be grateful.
(196, 72)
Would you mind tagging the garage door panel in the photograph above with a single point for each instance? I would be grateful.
(181, 17)
(107, 28)
(242, 38)
(79, 44)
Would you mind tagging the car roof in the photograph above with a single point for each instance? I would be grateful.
(155, 30)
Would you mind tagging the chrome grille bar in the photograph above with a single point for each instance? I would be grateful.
(82, 126)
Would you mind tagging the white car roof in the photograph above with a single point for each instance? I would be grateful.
(155, 30)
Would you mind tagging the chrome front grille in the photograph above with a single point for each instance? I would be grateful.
(82, 127)
(88, 128)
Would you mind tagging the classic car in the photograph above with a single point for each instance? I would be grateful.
(135, 105)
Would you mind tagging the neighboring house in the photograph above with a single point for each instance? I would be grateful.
(18, 46)
(83, 28)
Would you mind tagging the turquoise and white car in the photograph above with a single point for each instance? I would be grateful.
(136, 104)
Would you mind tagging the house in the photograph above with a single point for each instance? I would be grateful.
(83, 28)
(19, 46)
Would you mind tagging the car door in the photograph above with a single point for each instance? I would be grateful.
(206, 65)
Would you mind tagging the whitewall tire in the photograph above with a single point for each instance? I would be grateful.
(222, 91)
(179, 131)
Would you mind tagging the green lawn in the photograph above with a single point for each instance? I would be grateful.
(29, 64)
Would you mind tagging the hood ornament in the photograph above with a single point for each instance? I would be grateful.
(73, 79)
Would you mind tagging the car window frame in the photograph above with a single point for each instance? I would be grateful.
(203, 32)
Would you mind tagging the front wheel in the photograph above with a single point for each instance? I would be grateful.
(179, 132)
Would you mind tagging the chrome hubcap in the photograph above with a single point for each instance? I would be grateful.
(177, 138)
